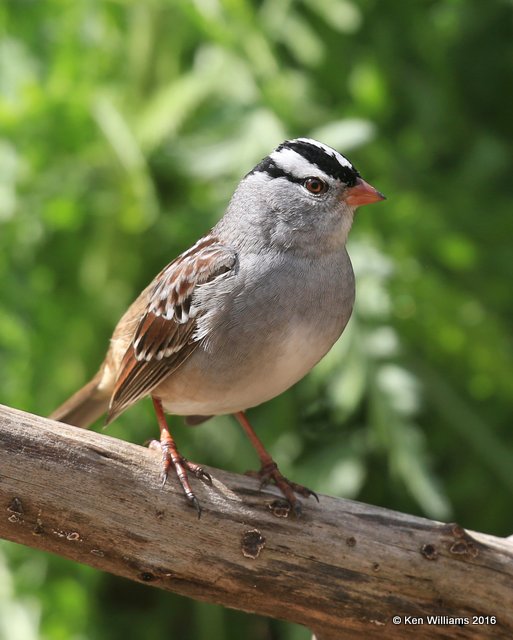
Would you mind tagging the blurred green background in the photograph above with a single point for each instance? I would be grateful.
(124, 128)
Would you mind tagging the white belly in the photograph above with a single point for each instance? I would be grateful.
(191, 391)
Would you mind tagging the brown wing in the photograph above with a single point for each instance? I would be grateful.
(164, 337)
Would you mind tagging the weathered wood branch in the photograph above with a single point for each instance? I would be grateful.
(344, 569)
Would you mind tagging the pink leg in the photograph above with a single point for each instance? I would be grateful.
(171, 457)
(269, 469)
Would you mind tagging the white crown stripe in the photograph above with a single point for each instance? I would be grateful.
(332, 152)
(295, 164)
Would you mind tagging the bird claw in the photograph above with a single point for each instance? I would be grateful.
(194, 502)
(282, 508)
(304, 491)
(199, 472)
(181, 466)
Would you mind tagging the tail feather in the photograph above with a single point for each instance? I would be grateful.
(85, 406)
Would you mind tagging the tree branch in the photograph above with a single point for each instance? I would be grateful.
(343, 568)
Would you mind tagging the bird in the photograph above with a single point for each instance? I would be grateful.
(243, 314)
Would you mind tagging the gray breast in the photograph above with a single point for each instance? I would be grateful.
(270, 297)
(267, 325)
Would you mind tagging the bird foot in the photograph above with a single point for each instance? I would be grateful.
(270, 473)
(182, 467)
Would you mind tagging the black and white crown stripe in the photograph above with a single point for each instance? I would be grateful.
(298, 159)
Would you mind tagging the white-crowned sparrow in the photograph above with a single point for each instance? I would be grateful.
(244, 313)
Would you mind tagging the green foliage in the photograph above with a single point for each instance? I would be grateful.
(125, 125)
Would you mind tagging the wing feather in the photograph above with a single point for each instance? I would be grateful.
(164, 337)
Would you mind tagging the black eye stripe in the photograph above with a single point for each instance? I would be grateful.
(267, 165)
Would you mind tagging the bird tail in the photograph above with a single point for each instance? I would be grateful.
(85, 406)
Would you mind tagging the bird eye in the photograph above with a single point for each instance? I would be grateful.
(315, 186)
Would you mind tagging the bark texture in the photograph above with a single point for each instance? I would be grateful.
(342, 570)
